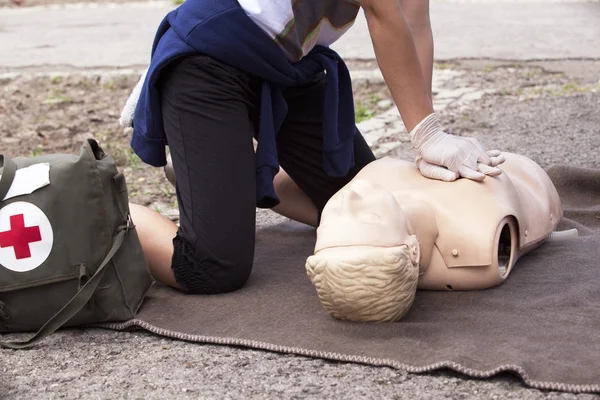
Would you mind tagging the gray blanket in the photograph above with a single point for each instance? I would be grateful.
(543, 323)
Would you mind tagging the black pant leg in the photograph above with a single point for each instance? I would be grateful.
(300, 144)
(207, 110)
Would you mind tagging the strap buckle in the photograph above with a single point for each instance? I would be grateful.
(129, 225)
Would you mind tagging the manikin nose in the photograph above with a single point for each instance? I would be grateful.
(356, 194)
(364, 187)
(350, 200)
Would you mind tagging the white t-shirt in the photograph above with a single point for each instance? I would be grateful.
(298, 25)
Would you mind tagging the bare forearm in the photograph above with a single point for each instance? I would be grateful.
(424, 42)
(417, 15)
(398, 59)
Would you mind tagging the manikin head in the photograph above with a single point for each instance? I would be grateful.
(366, 262)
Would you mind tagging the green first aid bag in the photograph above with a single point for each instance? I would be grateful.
(69, 252)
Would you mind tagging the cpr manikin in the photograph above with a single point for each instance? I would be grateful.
(391, 231)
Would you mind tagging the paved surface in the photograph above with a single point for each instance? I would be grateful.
(516, 30)
(121, 35)
(96, 364)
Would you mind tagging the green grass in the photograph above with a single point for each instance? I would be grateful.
(110, 85)
(445, 65)
(574, 87)
(56, 96)
(38, 151)
(362, 112)
(367, 109)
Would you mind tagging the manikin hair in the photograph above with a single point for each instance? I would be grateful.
(366, 284)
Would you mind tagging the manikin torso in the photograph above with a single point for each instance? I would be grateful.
(470, 233)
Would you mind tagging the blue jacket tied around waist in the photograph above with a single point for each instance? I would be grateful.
(222, 30)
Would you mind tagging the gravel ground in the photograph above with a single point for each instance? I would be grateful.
(559, 130)
(43, 113)
(106, 365)
(547, 116)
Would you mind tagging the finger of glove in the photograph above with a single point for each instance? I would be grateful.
(484, 158)
(489, 171)
(469, 173)
(479, 151)
(482, 155)
(433, 171)
(476, 143)
(497, 160)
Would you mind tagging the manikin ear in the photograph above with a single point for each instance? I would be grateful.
(373, 284)
(414, 250)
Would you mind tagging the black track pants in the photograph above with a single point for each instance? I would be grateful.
(210, 113)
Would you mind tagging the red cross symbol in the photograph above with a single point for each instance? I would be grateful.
(19, 236)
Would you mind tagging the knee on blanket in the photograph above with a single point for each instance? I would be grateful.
(209, 274)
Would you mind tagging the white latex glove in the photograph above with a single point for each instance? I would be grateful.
(444, 174)
(447, 157)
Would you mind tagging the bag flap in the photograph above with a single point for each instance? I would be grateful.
(47, 235)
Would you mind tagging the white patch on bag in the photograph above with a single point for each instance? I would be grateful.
(26, 237)
(29, 179)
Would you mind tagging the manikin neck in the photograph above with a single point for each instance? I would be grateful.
(421, 222)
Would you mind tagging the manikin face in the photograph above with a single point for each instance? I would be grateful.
(366, 265)
(362, 214)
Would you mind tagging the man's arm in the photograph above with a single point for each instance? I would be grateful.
(398, 59)
(439, 155)
(417, 15)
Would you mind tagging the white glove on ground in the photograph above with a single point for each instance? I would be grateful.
(447, 157)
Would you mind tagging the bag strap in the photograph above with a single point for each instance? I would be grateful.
(9, 168)
(74, 305)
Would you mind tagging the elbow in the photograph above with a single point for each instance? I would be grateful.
(381, 15)
(368, 6)
(376, 9)
(389, 16)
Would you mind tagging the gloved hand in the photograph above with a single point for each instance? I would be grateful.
(447, 157)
